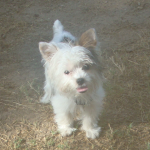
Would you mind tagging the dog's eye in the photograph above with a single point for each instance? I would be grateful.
(86, 67)
(66, 72)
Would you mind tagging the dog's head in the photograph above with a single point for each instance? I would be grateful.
(73, 69)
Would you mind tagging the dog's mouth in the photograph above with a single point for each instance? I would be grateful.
(82, 89)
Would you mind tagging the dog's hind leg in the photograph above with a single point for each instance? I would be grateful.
(48, 92)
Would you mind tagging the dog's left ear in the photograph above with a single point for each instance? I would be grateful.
(47, 49)
(88, 39)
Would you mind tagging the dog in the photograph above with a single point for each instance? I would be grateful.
(73, 79)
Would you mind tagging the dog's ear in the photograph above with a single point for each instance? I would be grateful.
(88, 39)
(47, 50)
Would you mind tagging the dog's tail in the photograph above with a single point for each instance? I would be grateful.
(60, 35)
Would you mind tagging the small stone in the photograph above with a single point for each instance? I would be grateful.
(139, 3)
(36, 15)
(140, 7)
(3, 36)
(129, 50)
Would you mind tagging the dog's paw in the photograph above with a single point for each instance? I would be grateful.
(66, 131)
(44, 100)
(93, 133)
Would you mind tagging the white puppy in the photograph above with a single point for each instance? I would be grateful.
(73, 85)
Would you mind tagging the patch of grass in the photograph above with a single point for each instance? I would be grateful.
(18, 143)
(148, 145)
(54, 132)
(33, 142)
(64, 145)
(129, 128)
(50, 143)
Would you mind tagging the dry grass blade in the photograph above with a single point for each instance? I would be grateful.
(120, 67)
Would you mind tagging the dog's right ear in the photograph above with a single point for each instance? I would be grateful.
(88, 39)
(47, 49)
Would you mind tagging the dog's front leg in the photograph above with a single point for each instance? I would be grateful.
(64, 114)
(90, 119)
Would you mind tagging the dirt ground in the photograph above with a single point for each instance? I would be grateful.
(123, 28)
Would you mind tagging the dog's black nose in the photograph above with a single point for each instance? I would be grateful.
(80, 81)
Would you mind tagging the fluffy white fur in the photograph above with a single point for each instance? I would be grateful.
(78, 92)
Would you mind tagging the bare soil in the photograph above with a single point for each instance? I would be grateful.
(123, 28)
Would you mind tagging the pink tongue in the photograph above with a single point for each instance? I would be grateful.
(83, 89)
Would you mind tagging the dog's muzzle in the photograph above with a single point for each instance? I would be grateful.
(82, 88)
